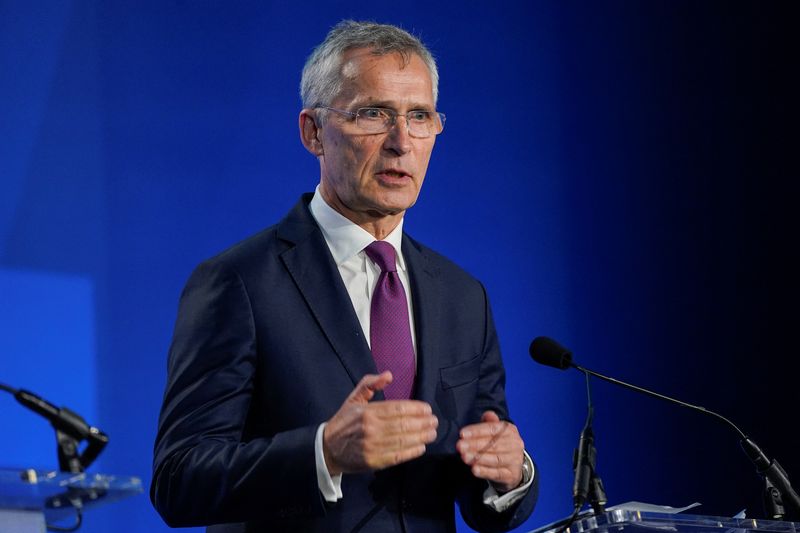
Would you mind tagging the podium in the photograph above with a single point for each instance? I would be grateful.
(632, 521)
(31, 499)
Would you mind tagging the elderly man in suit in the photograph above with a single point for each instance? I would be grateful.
(331, 373)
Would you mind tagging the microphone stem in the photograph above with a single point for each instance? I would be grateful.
(8, 388)
(659, 396)
(589, 406)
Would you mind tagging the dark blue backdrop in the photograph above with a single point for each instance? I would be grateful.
(621, 175)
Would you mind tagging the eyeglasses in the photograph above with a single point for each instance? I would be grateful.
(421, 124)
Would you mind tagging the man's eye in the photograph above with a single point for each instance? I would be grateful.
(419, 116)
(372, 113)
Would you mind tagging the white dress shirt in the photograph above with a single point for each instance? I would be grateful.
(346, 242)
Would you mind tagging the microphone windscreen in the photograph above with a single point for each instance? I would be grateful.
(546, 351)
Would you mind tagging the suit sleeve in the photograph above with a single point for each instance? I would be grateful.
(491, 396)
(206, 470)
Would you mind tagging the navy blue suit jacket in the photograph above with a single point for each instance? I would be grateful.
(267, 346)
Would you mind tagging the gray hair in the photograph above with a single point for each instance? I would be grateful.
(322, 74)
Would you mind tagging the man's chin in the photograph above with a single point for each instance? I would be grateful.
(384, 211)
(391, 204)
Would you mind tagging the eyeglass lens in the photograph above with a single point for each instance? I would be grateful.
(379, 120)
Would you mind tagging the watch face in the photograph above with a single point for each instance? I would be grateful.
(526, 471)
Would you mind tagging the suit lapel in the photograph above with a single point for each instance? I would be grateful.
(426, 300)
(308, 261)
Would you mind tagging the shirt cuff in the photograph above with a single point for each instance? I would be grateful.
(329, 486)
(501, 502)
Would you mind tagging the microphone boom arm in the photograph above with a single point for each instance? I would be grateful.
(772, 472)
(659, 396)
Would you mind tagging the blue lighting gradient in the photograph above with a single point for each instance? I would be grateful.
(621, 175)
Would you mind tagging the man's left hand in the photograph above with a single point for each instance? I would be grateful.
(493, 449)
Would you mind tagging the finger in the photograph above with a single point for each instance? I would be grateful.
(506, 444)
(393, 409)
(501, 442)
(485, 429)
(400, 441)
(368, 386)
(502, 475)
(490, 456)
(511, 460)
(396, 432)
(490, 416)
(408, 424)
(396, 457)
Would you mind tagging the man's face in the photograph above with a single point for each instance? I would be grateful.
(376, 174)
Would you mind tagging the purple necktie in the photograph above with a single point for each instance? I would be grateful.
(389, 330)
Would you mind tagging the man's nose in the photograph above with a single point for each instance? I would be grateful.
(398, 138)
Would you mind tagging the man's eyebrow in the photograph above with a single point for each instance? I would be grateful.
(390, 105)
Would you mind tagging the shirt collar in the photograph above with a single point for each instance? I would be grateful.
(346, 239)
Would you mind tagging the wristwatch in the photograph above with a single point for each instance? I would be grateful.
(527, 470)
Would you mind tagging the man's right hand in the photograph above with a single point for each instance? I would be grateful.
(370, 436)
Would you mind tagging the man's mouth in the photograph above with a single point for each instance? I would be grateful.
(393, 173)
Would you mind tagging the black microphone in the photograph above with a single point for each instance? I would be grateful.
(70, 428)
(548, 352)
(584, 465)
(587, 484)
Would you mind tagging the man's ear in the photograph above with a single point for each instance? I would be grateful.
(310, 132)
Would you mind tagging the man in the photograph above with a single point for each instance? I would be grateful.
(330, 373)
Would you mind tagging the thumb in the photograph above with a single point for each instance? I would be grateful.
(490, 416)
(368, 386)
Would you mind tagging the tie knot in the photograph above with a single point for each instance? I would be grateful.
(382, 254)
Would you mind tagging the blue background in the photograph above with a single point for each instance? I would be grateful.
(621, 175)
